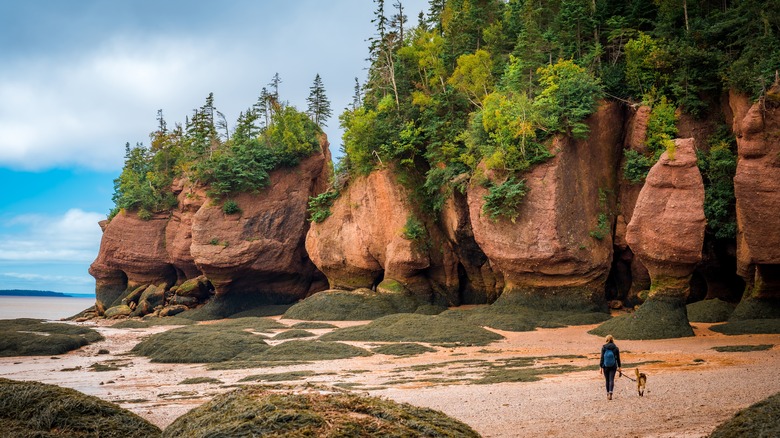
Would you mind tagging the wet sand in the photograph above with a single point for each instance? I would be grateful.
(691, 387)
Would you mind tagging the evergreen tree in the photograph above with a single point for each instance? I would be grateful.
(319, 105)
(356, 99)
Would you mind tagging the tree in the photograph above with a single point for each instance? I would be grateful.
(398, 20)
(319, 105)
(356, 99)
(474, 76)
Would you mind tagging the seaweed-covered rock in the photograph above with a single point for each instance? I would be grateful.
(32, 409)
(759, 420)
(714, 310)
(659, 318)
(407, 327)
(256, 412)
(34, 337)
(357, 305)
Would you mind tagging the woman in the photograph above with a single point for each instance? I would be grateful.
(610, 363)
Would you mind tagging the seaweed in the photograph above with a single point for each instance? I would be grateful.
(761, 420)
(257, 412)
(714, 310)
(35, 337)
(655, 319)
(403, 349)
(32, 409)
(200, 344)
(407, 327)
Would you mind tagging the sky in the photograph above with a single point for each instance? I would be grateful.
(79, 79)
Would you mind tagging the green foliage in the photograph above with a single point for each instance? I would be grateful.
(145, 181)
(602, 228)
(227, 165)
(414, 230)
(319, 206)
(718, 167)
(569, 94)
(504, 199)
(231, 207)
(636, 166)
(661, 126)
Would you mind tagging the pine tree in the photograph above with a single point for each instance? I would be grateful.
(319, 105)
(356, 99)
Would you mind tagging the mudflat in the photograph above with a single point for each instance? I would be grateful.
(691, 387)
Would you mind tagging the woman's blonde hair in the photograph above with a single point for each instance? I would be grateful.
(610, 339)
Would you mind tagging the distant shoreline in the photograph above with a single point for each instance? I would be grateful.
(42, 293)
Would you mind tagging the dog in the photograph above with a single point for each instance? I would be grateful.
(641, 382)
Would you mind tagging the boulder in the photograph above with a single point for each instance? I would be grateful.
(118, 311)
(153, 297)
(366, 243)
(172, 310)
(549, 255)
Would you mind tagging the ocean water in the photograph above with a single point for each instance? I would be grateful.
(51, 308)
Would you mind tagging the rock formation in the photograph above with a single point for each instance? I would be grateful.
(666, 230)
(757, 188)
(367, 242)
(549, 255)
(666, 233)
(258, 251)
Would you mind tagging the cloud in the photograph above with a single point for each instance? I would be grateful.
(80, 110)
(73, 237)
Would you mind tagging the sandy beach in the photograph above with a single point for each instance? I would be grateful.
(691, 387)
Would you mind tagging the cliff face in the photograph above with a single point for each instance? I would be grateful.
(550, 250)
(757, 189)
(258, 251)
(367, 242)
(583, 234)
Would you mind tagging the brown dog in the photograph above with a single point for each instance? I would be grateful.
(641, 382)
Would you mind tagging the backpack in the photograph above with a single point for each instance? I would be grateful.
(609, 358)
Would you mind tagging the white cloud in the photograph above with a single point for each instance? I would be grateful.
(72, 237)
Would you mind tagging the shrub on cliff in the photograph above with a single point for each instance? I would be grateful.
(33, 337)
(258, 412)
(32, 409)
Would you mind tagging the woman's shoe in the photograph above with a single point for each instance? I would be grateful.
(609, 396)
